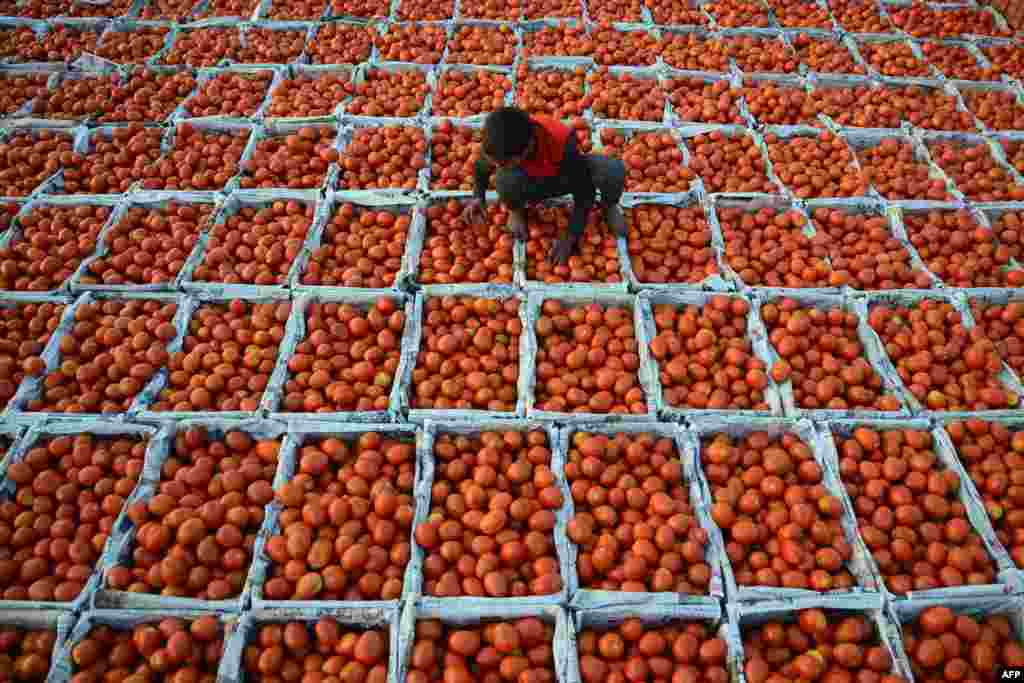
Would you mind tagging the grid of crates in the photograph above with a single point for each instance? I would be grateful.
(203, 204)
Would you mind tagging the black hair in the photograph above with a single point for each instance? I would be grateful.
(507, 133)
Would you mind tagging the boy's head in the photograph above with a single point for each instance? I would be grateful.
(508, 133)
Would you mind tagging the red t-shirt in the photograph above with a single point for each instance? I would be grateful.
(549, 149)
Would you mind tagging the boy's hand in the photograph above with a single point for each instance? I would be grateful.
(474, 212)
(517, 224)
(561, 251)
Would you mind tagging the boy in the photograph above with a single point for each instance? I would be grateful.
(537, 159)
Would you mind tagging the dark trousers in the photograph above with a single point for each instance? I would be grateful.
(608, 176)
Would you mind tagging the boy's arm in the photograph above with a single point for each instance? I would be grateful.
(481, 176)
(581, 186)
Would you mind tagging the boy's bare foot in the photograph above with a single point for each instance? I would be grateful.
(517, 223)
(615, 219)
(475, 212)
(561, 251)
